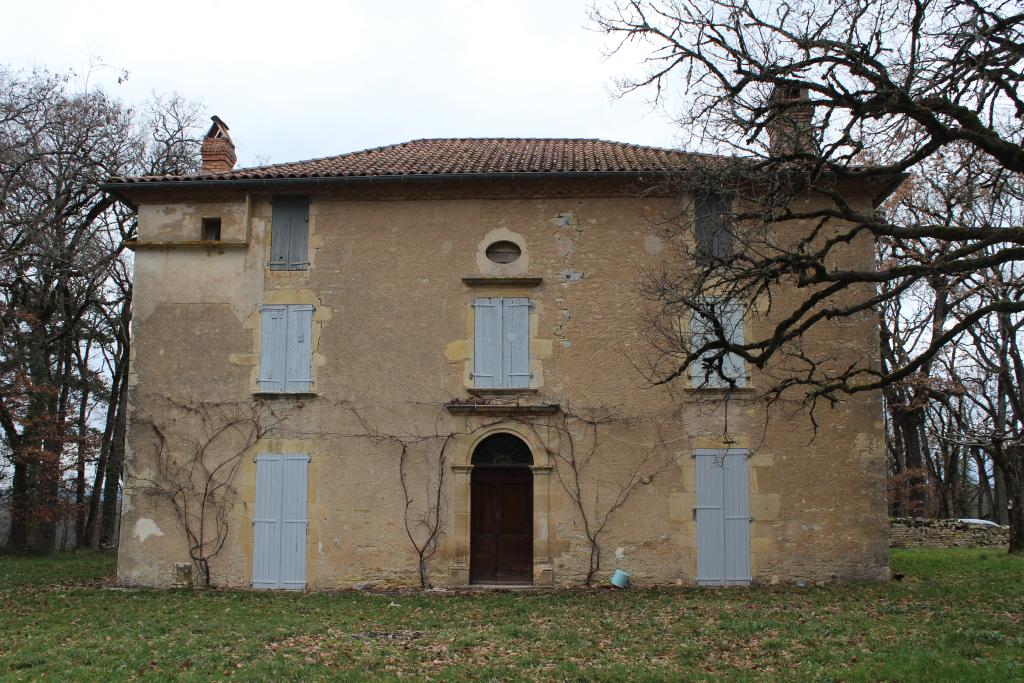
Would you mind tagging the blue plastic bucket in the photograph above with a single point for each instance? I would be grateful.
(620, 579)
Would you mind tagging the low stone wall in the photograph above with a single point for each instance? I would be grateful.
(915, 532)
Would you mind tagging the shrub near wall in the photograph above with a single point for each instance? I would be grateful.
(916, 532)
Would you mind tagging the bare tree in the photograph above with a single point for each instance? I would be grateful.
(63, 273)
(836, 103)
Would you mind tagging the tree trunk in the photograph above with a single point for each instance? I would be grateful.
(1016, 515)
(1000, 513)
(1015, 492)
(44, 461)
(985, 503)
(909, 423)
(115, 465)
(83, 432)
(17, 539)
(91, 537)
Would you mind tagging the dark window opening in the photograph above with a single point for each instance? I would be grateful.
(503, 252)
(211, 229)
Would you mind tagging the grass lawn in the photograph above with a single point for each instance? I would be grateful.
(956, 616)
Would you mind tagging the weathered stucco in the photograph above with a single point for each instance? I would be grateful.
(393, 343)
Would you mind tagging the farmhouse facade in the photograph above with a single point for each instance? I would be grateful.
(419, 361)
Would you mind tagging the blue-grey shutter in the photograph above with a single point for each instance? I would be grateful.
(737, 519)
(294, 521)
(266, 524)
(712, 225)
(299, 345)
(289, 233)
(733, 365)
(487, 346)
(279, 521)
(723, 518)
(273, 344)
(703, 372)
(515, 343)
(710, 519)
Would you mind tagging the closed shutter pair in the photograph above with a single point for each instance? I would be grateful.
(279, 521)
(289, 233)
(706, 373)
(501, 351)
(723, 518)
(286, 348)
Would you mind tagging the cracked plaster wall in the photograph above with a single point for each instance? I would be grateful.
(393, 330)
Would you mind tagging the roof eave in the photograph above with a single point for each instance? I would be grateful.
(118, 188)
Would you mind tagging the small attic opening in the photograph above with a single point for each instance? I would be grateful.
(503, 252)
(211, 229)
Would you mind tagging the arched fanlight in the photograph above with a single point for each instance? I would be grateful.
(502, 450)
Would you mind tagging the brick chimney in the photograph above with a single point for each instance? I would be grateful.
(218, 150)
(791, 124)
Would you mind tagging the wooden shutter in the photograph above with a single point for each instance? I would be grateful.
(733, 366)
(736, 509)
(515, 352)
(705, 373)
(299, 349)
(279, 521)
(710, 519)
(712, 225)
(487, 345)
(294, 521)
(266, 523)
(289, 233)
(723, 518)
(273, 345)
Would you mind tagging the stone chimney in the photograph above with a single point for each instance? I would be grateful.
(218, 149)
(791, 124)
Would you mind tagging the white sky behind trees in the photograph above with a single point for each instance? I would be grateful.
(303, 79)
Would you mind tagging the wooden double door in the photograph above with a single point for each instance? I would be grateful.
(501, 538)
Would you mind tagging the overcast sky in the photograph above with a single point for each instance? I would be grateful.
(298, 79)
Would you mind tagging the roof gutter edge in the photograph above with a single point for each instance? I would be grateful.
(118, 188)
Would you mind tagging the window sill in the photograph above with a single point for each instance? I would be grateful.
(722, 391)
(284, 394)
(476, 391)
(474, 281)
(200, 244)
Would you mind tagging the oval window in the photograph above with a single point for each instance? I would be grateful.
(503, 252)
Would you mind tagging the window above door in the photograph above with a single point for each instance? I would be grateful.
(501, 345)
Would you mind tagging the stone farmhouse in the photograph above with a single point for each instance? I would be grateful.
(414, 362)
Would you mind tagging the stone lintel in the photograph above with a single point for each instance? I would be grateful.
(499, 409)
(476, 281)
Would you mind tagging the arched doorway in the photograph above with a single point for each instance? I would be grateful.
(501, 512)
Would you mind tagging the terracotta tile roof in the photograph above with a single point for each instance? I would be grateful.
(461, 156)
